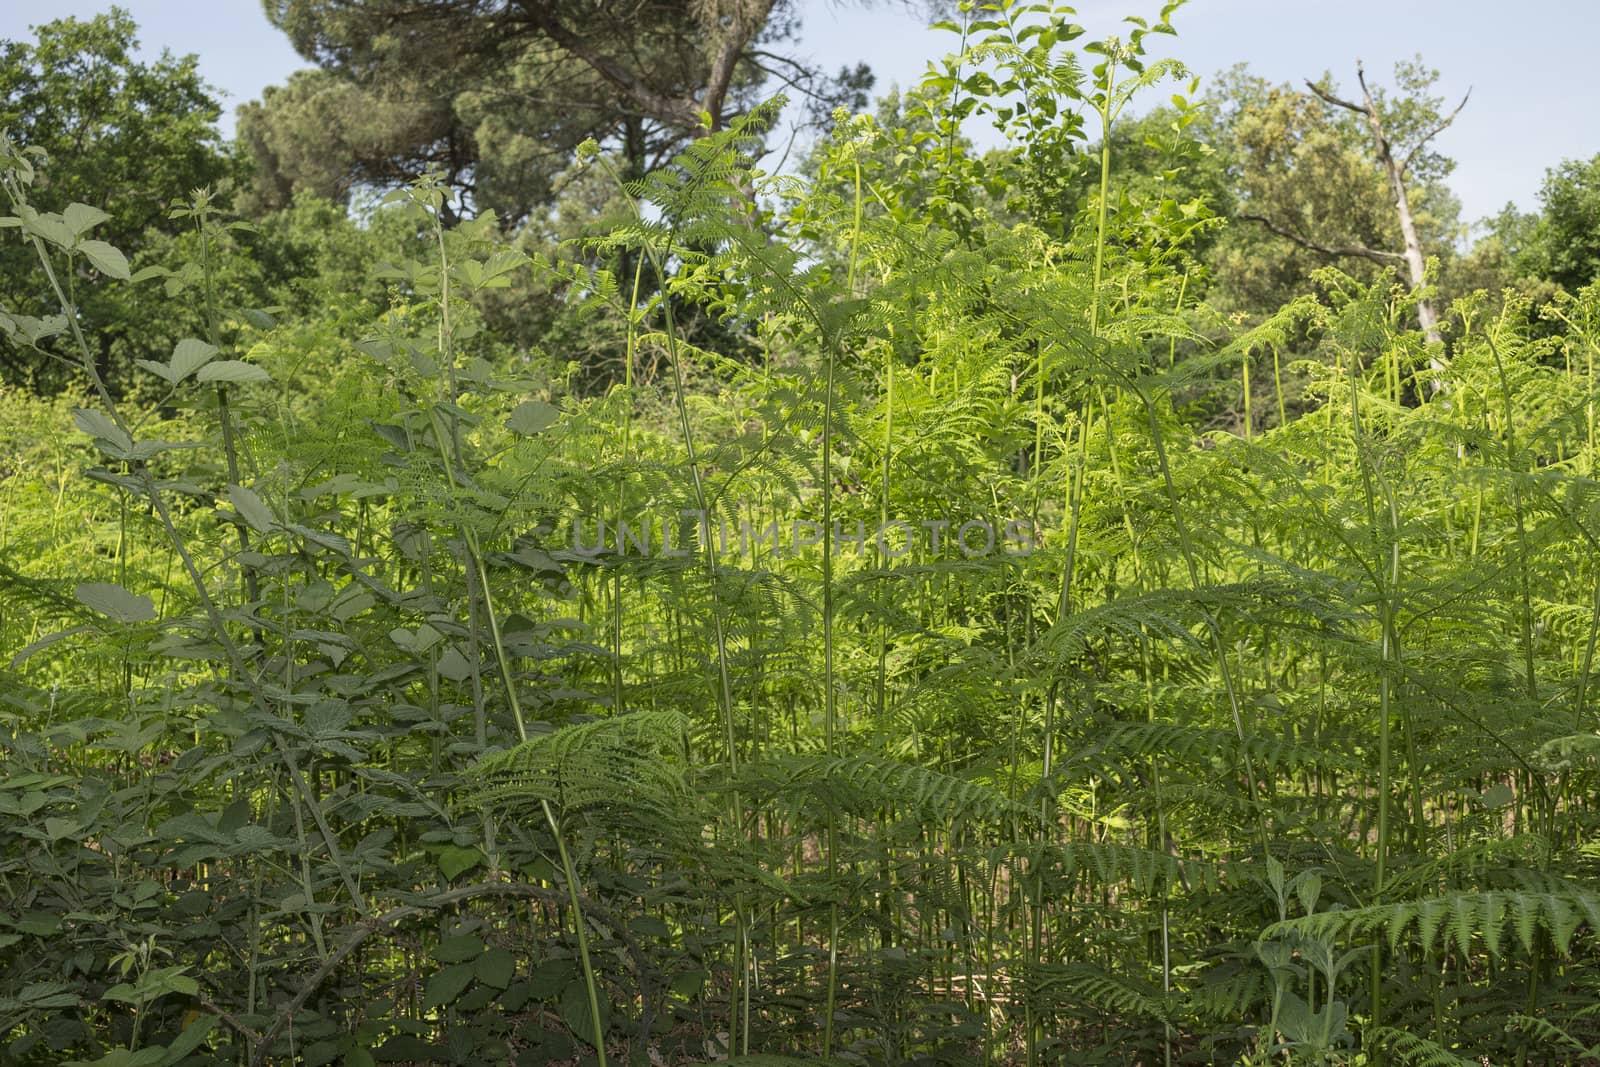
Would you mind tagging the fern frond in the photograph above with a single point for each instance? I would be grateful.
(1550, 1036)
(1087, 984)
(628, 762)
(1414, 1050)
(871, 785)
(1463, 917)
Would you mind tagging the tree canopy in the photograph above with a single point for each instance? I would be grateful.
(1306, 191)
(1562, 241)
(128, 137)
(496, 94)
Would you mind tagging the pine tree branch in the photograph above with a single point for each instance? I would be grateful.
(658, 106)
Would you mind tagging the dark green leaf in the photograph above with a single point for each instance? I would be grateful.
(574, 1010)
(453, 860)
(459, 949)
(495, 968)
(447, 985)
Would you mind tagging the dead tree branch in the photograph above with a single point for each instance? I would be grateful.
(1377, 255)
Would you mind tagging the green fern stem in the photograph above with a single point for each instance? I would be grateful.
(617, 701)
(829, 697)
(591, 983)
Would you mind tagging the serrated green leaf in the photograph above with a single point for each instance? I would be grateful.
(81, 218)
(228, 371)
(59, 828)
(531, 417)
(453, 860)
(110, 599)
(459, 948)
(44, 995)
(550, 978)
(425, 638)
(331, 541)
(100, 427)
(574, 1011)
(106, 259)
(160, 370)
(188, 356)
(252, 508)
(495, 968)
(154, 983)
(48, 225)
(454, 666)
(447, 985)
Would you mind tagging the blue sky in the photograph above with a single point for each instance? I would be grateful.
(1531, 66)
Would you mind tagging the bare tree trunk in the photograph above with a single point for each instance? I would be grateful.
(1395, 171)
(1416, 266)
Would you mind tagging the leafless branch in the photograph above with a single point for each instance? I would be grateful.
(796, 83)
(367, 927)
(1336, 101)
(228, 1019)
(1377, 255)
(804, 71)
(1431, 134)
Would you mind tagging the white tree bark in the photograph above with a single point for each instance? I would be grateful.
(1395, 171)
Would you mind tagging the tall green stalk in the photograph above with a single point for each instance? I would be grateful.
(590, 980)
(1383, 524)
(830, 710)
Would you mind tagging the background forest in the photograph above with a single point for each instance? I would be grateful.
(514, 560)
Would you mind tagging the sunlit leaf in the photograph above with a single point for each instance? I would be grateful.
(232, 370)
(116, 602)
(106, 259)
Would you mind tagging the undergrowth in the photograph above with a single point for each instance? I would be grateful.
(948, 698)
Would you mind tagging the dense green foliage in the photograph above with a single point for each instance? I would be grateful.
(1304, 168)
(1562, 242)
(955, 694)
(495, 96)
(126, 137)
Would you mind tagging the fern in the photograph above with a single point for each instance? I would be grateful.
(1414, 1050)
(867, 786)
(1086, 984)
(1552, 1036)
(629, 764)
(1461, 919)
